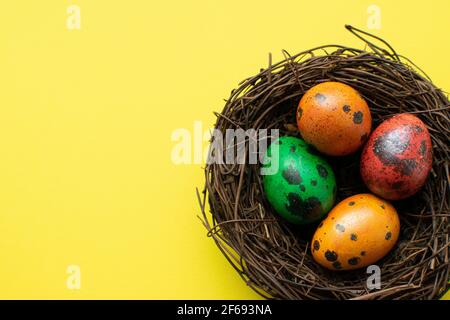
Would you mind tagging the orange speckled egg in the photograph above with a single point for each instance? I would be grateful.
(357, 232)
(334, 118)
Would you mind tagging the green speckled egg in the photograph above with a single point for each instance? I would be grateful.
(302, 188)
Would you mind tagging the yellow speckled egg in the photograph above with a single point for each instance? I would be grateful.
(357, 232)
(334, 118)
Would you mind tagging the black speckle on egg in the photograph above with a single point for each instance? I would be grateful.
(417, 129)
(295, 204)
(299, 113)
(331, 256)
(407, 166)
(340, 227)
(292, 149)
(383, 207)
(314, 182)
(351, 203)
(346, 108)
(388, 146)
(311, 209)
(316, 245)
(353, 261)
(337, 265)
(320, 97)
(323, 172)
(422, 148)
(357, 117)
(353, 237)
(291, 175)
(388, 235)
(320, 225)
(302, 187)
(397, 185)
(363, 253)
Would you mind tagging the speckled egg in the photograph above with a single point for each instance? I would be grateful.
(334, 118)
(357, 232)
(397, 158)
(300, 186)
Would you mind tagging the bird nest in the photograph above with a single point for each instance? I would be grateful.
(274, 257)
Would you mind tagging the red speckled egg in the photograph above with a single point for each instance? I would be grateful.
(397, 157)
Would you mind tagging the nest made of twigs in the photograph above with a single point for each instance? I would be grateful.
(271, 255)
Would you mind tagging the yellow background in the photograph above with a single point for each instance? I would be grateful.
(86, 118)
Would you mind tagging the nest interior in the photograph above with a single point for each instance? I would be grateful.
(272, 256)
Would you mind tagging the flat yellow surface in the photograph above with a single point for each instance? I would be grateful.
(86, 118)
